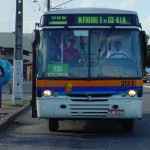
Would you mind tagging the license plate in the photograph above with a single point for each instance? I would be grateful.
(115, 112)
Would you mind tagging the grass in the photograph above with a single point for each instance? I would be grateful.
(25, 103)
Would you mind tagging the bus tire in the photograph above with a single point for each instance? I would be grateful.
(53, 125)
(127, 124)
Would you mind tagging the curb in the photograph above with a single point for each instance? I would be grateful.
(9, 118)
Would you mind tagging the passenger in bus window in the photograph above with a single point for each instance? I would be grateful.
(71, 54)
(54, 54)
(84, 45)
(58, 48)
(55, 51)
(117, 52)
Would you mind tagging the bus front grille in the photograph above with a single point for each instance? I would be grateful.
(89, 110)
(88, 98)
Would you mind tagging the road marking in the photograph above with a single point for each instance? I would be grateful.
(146, 86)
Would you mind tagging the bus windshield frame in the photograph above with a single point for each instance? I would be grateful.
(90, 20)
(88, 61)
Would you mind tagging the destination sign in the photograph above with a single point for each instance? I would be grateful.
(58, 20)
(103, 20)
(90, 20)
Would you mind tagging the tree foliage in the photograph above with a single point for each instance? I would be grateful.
(148, 48)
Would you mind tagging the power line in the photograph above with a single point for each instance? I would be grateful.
(62, 4)
(10, 23)
(36, 1)
(11, 15)
(39, 5)
(33, 8)
(5, 22)
(49, 7)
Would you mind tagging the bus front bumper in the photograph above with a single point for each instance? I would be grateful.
(67, 109)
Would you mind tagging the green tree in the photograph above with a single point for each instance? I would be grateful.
(148, 49)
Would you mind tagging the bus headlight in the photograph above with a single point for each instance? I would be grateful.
(132, 93)
(47, 93)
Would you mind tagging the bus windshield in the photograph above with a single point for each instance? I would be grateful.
(89, 53)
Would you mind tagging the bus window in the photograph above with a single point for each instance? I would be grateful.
(119, 44)
(75, 52)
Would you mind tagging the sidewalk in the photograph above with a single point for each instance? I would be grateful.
(8, 112)
(147, 85)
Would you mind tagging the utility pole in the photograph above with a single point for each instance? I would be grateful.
(18, 56)
(48, 5)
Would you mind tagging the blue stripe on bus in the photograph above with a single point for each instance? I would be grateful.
(91, 90)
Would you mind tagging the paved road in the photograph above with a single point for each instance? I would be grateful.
(28, 133)
(33, 134)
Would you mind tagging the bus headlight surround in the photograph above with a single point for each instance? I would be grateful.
(132, 93)
(55, 94)
(47, 93)
(123, 94)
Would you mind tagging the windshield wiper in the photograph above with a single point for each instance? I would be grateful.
(80, 44)
(104, 40)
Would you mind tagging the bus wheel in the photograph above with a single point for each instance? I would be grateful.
(53, 125)
(127, 124)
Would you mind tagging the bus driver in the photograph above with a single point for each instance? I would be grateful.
(116, 53)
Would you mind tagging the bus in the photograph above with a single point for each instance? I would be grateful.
(76, 73)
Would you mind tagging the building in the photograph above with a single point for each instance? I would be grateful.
(7, 44)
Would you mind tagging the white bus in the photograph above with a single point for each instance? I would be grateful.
(78, 73)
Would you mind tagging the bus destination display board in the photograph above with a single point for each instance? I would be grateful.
(90, 20)
(58, 20)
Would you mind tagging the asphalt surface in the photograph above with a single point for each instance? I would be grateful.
(7, 112)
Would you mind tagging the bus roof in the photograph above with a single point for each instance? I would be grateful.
(90, 11)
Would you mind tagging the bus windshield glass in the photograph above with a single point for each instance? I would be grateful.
(89, 53)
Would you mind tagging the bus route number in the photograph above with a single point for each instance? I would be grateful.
(57, 69)
(128, 83)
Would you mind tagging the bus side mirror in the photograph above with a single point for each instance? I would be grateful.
(36, 37)
(36, 41)
(144, 48)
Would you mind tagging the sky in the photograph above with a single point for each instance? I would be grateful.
(33, 9)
